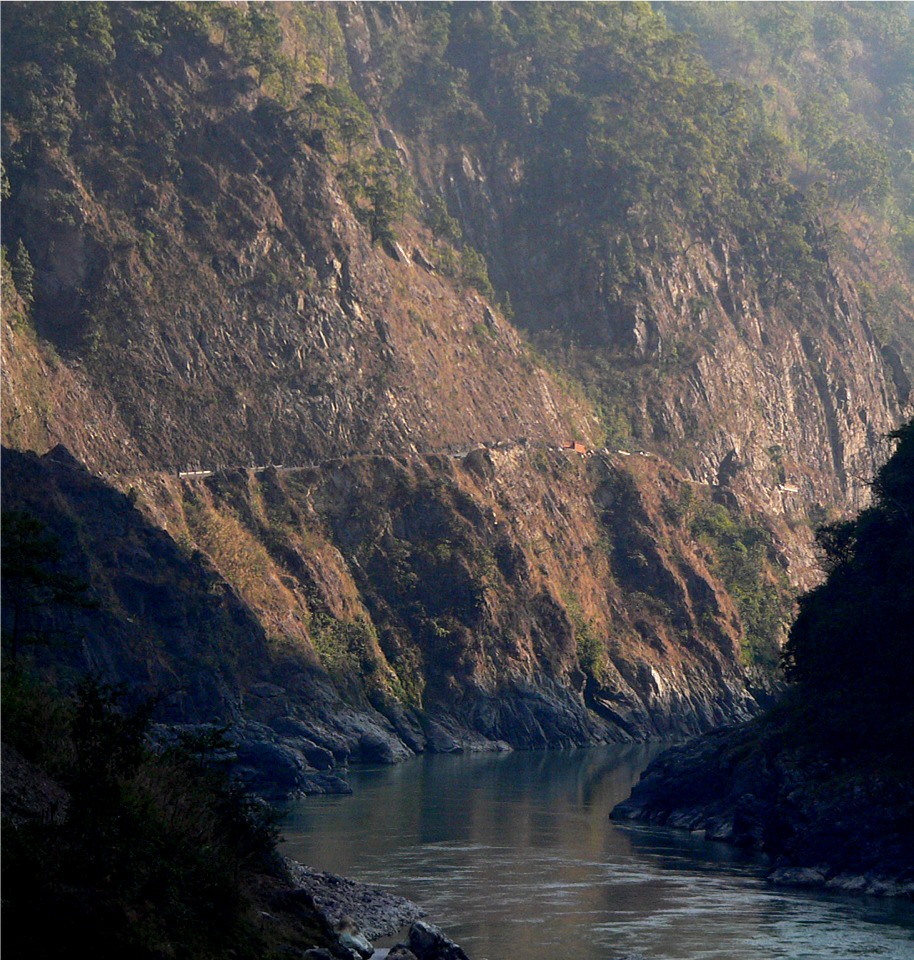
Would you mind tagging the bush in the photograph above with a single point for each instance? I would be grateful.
(850, 646)
(740, 550)
(150, 856)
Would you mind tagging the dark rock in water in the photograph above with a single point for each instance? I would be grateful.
(323, 783)
(700, 786)
(429, 942)
(375, 747)
(299, 734)
(820, 827)
(270, 767)
(318, 757)
(400, 952)
(439, 740)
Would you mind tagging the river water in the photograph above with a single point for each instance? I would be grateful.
(515, 857)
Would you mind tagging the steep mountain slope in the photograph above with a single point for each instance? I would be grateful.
(213, 259)
(638, 213)
(823, 782)
(232, 286)
(450, 601)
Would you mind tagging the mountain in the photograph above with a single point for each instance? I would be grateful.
(823, 782)
(319, 299)
(640, 216)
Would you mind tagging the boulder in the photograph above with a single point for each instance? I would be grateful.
(377, 748)
(270, 767)
(429, 942)
(322, 783)
(350, 937)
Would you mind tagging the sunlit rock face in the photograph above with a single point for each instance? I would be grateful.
(357, 459)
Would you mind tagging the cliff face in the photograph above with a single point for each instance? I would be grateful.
(516, 594)
(382, 509)
(697, 351)
(235, 289)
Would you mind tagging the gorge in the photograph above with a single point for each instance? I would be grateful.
(427, 378)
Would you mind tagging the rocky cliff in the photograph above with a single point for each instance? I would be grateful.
(372, 607)
(234, 287)
(698, 347)
(343, 458)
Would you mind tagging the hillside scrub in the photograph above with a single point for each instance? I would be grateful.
(154, 847)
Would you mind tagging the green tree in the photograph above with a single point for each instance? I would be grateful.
(817, 125)
(23, 273)
(150, 854)
(264, 39)
(380, 192)
(860, 169)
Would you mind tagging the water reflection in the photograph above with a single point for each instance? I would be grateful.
(515, 855)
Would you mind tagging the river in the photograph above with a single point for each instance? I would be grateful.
(515, 857)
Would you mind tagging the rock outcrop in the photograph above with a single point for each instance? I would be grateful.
(748, 786)
(345, 524)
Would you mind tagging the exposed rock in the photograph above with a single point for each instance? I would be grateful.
(322, 783)
(375, 747)
(351, 939)
(420, 258)
(400, 952)
(429, 942)
(296, 732)
(263, 765)
(374, 912)
(820, 827)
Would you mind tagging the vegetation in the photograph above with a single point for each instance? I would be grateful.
(742, 559)
(621, 124)
(347, 648)
(836, 83)
(152, 846)
(138, 846)
(591, 647)
(849, 650)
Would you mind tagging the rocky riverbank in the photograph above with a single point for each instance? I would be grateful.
(355, 914)
(344, 902)
(821, 823)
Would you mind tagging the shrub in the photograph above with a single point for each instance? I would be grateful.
(150, 855)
